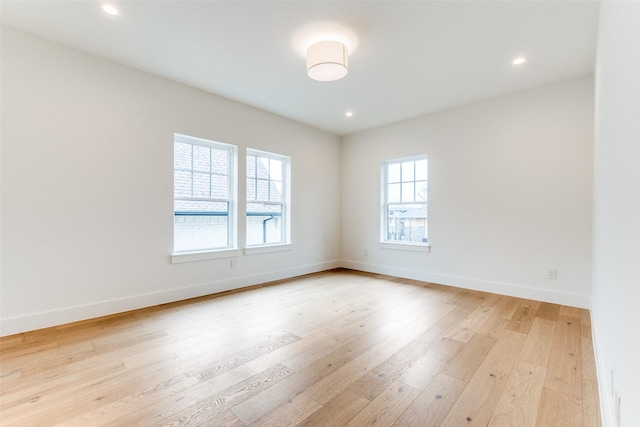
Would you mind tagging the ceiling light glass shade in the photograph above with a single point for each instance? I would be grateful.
(327, 61)
(110, 9)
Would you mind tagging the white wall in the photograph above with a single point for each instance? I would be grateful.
(616, 293)
(510, 194)
(87, 182)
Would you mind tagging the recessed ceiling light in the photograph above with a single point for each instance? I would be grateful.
(110, 9)
(519, 60)
(348, 114)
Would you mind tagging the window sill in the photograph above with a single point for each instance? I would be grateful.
(204, 255)
(254, 250)
(405, 246)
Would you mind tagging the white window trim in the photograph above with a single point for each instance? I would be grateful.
(285, 244)
(231, 249)
(181, 257)
(391, 244)
(407, 246)
(268, 248)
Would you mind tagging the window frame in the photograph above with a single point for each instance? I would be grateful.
(285, 204)
(385, 242)
(230, 249)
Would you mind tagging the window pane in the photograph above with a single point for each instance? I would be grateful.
(407, 192)
(264, 224)
(407, 172)
(182, 155)
(262, 190)
(251, 166)
(182, 184)
(220, 161)
(394, 193)
(202, 170)
(251, 189)
(275, 169)
(262, 168)
(201, 158)
(219, 186)
(422, 171)
(405, 198)
(201, 185)
(194, 233)
(394, 172)
(275, 191)
(266, 182)
(407, 223)
(421, 191)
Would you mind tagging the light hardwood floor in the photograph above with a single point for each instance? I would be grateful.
(338, 348)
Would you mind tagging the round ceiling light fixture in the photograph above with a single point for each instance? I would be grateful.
(327, 61)
(110, 9)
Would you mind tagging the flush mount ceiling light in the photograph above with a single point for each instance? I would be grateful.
(327, 61)
(110, 9)
(519, 60)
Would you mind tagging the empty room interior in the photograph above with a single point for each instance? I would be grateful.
(401, 213)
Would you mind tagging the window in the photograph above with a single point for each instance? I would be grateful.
(404, 200)
(203, 189)
(267, 198)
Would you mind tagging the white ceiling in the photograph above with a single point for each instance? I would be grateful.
(410, 58)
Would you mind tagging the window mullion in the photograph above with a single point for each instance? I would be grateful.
(192, 170)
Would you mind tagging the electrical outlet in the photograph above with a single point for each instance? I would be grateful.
(552, 274)
(365, 253)
(234, 264)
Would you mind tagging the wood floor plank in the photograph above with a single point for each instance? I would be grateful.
(141, 407)
(558, 409)
(394, 368)
(494, 325)
(530, 304)
(522, 320)
(464, 363)
(421, 373)
(548, 311)
(518, 404)
(537, 347)
(478, 400)
(564, 373)
(327, 388)
(326, 349)
(504, 353)
(210, 370)
(337, 412)
(591, 416)
(570, 311)
(387, 407)
(257, 406)
(433, 404)
(507, 306)
(197, 410)
(225, 419)
(464, 330)
(588, 356)
(290, 413)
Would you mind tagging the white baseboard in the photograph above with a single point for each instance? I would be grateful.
(574, 300)
(47, 319)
